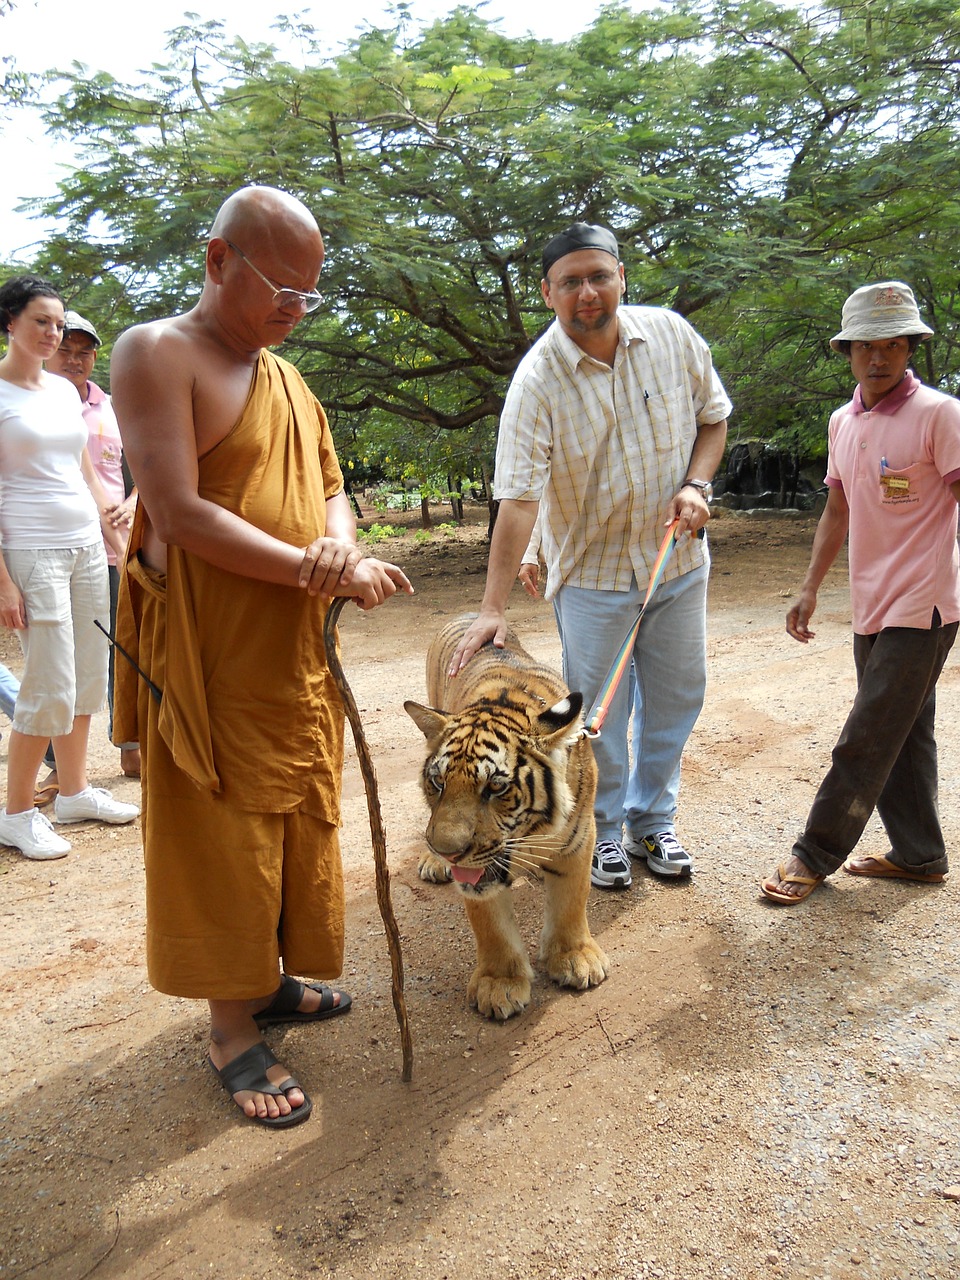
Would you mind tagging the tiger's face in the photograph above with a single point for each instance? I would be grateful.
(495, 779)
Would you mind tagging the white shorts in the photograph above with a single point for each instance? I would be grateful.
(65, 655)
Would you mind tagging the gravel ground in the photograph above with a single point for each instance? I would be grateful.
(754, 1092)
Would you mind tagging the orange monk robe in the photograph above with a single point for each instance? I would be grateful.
(250, 725)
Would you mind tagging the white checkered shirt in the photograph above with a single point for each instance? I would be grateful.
(604, 450)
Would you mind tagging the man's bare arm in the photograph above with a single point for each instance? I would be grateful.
(689, 506)
(827, 541)
(334, 566)
(152, 382)
(511, 534)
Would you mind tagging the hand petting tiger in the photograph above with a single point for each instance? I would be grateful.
(510, 782)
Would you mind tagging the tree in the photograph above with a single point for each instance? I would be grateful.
(758, 162)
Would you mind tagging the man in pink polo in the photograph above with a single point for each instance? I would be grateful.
(893, 476)
(74, 360)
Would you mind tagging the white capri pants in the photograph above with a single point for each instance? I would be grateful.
(65, 655)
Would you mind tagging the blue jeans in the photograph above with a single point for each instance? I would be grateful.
(9, 688)
(665, 692)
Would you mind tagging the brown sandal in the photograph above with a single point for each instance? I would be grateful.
(46, 792)
(790, 899)
(885, 869)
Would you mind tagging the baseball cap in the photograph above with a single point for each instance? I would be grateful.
(579, 235)
(73, 322)
(884, 310)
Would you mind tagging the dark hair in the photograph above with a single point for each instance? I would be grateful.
(843, 344)
(18, 293)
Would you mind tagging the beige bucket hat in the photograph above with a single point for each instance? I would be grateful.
(885, 310)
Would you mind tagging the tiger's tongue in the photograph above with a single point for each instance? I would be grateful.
(466, 875)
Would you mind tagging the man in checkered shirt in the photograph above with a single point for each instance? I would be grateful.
(613, 427)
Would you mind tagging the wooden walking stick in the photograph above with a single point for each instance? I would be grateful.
(376, 833)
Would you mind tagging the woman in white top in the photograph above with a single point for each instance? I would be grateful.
(53, 574)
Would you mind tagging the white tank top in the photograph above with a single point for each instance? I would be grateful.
(44, 499)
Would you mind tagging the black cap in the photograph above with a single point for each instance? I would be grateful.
(579, 235)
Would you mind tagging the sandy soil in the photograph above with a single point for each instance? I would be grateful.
(754, 1092)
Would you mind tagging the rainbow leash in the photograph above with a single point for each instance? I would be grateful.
(598, 712)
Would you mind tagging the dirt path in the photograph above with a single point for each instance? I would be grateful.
(753, 1093)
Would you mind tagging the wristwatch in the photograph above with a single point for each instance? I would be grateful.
(705, 487)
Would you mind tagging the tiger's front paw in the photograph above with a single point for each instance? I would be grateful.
(579, 967)
(433, 869)
(499, 997)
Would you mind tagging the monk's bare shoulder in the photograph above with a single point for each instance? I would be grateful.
(175, 375)
(165, 343)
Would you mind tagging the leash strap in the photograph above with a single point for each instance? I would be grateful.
(598, 712)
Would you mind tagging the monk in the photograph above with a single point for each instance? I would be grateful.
(242, 537)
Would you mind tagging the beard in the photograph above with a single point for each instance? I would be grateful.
(593, 324)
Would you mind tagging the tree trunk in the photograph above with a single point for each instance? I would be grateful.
(456, 499)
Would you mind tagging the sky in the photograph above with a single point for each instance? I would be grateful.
(110, 36)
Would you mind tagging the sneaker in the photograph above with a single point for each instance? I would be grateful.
(33, 834)
(93, 803)
(662, 852)
(610, 868)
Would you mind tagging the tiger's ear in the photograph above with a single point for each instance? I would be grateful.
(560, 716)
(428, 721)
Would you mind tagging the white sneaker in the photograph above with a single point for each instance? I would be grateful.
(662, 852)
(33, 834)
(610, 867)
(93, 803)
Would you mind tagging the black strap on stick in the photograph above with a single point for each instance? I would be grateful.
(154, 689)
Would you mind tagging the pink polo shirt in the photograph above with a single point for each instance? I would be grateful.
(105, 447)
(894, 464)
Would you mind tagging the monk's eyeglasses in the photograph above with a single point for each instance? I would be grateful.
(284, 298)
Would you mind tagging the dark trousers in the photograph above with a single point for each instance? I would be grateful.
(886, 755)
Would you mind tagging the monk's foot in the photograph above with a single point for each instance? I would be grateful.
(296, 1001)
(244, 1065)
(130, 762)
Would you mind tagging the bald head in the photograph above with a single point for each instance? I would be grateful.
(260, 232)
(264, 214)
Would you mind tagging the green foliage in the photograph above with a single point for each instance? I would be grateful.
(378, 533)
(757, 160)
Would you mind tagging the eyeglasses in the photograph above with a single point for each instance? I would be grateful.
(282, 297)
(599, 280)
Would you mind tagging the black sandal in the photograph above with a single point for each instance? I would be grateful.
(249, 1071)
(284, 1006)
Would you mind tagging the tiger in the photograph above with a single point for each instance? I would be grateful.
(510, 782)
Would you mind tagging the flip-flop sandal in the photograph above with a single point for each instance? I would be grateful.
(249, 1071)
(791, 899)
(885, 869)
(285, 1005)
(46, 794)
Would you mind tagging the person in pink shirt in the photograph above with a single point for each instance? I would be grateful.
(893, 477)
(74, 360)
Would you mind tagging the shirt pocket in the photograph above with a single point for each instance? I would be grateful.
(671, 418)
(900, 488)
